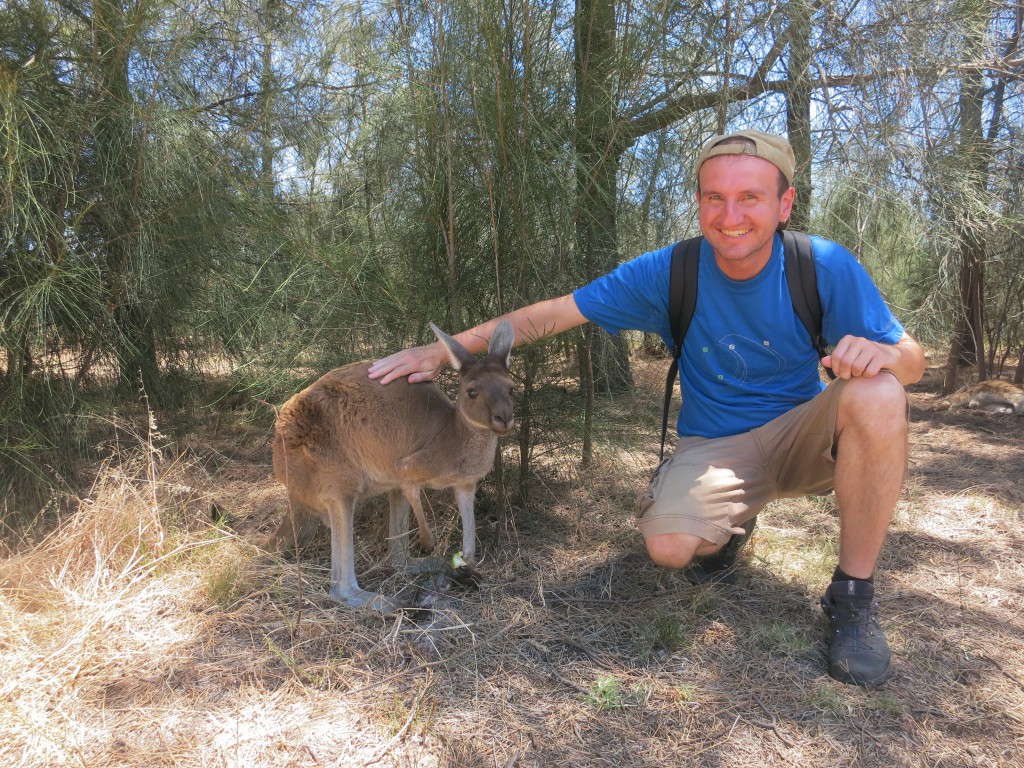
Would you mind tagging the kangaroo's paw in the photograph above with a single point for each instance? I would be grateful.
(466, 575)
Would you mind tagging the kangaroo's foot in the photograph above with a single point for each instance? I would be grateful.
(362, 598)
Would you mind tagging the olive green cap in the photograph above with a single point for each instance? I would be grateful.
(775, 149)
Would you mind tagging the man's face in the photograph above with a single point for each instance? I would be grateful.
(739, 209)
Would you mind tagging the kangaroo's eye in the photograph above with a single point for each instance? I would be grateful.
(472, 392)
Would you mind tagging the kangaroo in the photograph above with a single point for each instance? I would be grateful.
(994, 396)
(345, 438)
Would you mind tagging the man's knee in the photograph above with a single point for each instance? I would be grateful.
(878, 403)
(677, 550)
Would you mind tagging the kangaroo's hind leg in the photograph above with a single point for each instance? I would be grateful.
(344, 586)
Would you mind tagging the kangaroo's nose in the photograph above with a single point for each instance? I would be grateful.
(502, 423)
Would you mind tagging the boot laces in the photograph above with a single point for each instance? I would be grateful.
(857, 618)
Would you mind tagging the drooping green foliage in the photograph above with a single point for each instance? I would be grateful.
(263, 190)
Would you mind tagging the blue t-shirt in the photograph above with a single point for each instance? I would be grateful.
(746, 358)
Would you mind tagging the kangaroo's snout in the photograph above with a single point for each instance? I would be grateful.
(502, 423)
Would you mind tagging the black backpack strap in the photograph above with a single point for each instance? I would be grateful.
(803, 288)
(682, 301)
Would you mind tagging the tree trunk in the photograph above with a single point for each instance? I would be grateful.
(119, 153)
(798, 109)
(968, 344)
(531, 360)
(586, 357)
(597, 158)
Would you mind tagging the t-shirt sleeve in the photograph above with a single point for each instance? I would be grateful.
(633, 296)
(851, 302)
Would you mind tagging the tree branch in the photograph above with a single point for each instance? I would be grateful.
(645, 119)
(688, 104)
(676, 109)
(214, 105)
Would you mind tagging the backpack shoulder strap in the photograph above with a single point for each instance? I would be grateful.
(682, 301)
(682, 289)
(803, 287)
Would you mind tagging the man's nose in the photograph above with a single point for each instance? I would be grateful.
(731, 212)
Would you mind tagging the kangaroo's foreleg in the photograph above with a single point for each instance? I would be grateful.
(465, 498)
(398, 529)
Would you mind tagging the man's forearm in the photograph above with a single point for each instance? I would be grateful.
(532, 323)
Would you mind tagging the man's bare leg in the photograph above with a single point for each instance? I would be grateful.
(871, 464)
(871, 429)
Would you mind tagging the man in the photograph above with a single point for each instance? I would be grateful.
(757, 423)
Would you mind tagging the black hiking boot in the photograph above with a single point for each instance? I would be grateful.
(858, 652)
(717, 568)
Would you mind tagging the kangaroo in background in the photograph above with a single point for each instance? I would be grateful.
(994, 396)
(345, 438)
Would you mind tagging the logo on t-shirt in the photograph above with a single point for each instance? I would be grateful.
(743, 360)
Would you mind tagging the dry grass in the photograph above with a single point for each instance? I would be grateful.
(141, 633)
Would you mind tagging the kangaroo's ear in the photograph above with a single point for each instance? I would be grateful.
(501, 343)
(457, 353)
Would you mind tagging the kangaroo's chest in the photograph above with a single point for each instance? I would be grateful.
(430, 467)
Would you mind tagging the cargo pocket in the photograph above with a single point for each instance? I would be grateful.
(646, 498)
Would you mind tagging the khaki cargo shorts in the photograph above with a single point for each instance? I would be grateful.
(709, 486)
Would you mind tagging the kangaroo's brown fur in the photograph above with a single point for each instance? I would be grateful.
(994, 396)
(346, 437)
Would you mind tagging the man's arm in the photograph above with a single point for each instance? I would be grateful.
(854, 356)
(531, 323)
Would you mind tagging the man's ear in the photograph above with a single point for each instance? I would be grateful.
(786, 205)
